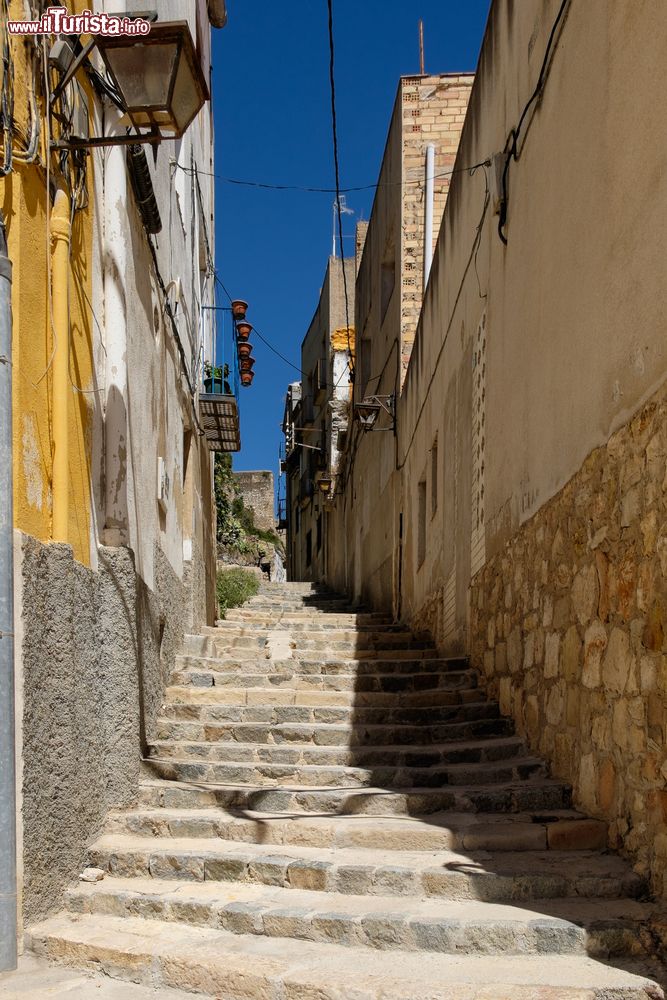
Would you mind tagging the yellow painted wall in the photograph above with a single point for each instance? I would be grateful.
(26, 211)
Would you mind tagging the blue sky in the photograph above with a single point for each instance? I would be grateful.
(272, 118)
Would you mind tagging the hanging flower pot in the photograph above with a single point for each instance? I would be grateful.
(245, 349)
(246, 364)
(246, 378)
(239, 308)
(243, 330)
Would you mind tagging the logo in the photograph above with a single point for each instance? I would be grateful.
(58, 21)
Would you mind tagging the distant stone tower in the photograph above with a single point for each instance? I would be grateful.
(257, 490)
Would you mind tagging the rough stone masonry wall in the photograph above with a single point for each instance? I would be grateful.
(569, 624)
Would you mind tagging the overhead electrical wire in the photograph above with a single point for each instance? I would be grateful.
(511, 148)
(320, 190)
(339, 213)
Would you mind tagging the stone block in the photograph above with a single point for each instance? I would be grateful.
(571, 655)
(617, 661)
(585, 594)
(552, 655)
(577, 835)
(595, 643)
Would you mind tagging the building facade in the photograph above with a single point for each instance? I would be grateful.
(114, 520)
(517, 511)
(315, 422)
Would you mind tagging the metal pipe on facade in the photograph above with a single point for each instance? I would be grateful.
(8, 879)
(60, 239)
(115, 327)
(428, 212)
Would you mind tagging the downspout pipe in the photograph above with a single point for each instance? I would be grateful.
(8, 878)
(428, 212)
(116, 526)
(60, 240)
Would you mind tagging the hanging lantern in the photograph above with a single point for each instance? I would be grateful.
(244, 348)
(246, 378)
(239, 308)
(158, 76)
(243, 330)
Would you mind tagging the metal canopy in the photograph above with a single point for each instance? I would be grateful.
(219, 416)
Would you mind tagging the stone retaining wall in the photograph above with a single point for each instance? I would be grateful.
(569, 626)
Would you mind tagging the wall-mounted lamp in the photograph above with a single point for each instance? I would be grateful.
(324, 483)
(368, 411)
(158, 78)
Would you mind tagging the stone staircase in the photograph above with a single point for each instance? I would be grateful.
(333, 811)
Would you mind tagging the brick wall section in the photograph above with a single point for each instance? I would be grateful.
(258, 493)
(569, 625)
(433, 111)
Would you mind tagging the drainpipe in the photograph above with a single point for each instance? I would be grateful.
(115, 326)
(60, 240)
(428, 211)
(8, 889)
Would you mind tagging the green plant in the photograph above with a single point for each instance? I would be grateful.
(211, 371)
(234, 587)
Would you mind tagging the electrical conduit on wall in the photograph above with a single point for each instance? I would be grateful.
(428, 212)
(60, 241)
(8, 879)
(115, 325)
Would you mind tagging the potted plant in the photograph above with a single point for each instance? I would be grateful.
(245, 349)
(239, 308)
(246, 364)
(215, 381)
(246, 379)
(243, 330)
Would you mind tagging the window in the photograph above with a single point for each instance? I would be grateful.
(434, 477)
(421, 522)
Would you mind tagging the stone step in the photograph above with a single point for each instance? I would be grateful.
(209, 724)
(325, 639)
(329, 628)
(247, 649)
(173, 762)
(208, 960)
(365, 708)
(392, 755)
(310, 665)
(519, 797)
(369, 682)
(315, 604)
(488, 876)
(300, 620)
(609, 928)
(176, 810)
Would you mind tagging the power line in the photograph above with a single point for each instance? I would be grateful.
(512, 142)
(334, 130)
(319, 190)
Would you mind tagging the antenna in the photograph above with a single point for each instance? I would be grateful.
(344, 210)
(421, 47)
